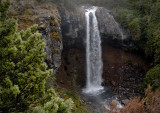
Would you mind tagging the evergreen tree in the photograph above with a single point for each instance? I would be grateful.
(143, 20)
(23, 72)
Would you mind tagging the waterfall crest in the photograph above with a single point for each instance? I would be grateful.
(93, 53)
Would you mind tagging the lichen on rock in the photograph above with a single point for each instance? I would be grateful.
(47, 17)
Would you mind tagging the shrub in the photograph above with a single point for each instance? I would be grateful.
(23, 72)
(152, 78)
(150, 104)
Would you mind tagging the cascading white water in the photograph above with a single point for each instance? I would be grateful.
(93, 53)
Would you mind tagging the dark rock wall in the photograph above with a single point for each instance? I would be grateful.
(72, 73)
(107, 25)
(73, 28)
(121, 70)
(48, 20)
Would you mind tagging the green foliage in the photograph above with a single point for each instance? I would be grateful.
(150, 14)
(143, 20)
(41, 1)
(4, 8)
(23, 72)
(152, 78)
(78, 104)
(53, 104)
(135, 28)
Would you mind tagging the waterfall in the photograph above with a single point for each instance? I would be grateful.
(93, 53)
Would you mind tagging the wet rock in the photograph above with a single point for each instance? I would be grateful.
(89, 103)
(113, 83)
(125, 102)
(74, 22)
(103, 83)
(107, 25)
(61, 82)
(83, 101)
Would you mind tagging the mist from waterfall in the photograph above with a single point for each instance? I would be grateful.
(93, 53)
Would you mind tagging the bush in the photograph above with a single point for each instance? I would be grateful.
(23, 72)
(135, 28)
(152, 78)
(53, 104)
(142, 19)
(150, 104)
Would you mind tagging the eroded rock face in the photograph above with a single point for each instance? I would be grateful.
(74, 26)
(107, 25)
(48, 20)
(116, 62)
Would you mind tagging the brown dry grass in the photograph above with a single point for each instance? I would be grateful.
(150, 104)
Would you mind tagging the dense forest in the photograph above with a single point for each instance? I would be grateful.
(24, 73)
(143, 21)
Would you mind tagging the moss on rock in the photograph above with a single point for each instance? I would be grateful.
(55, 35)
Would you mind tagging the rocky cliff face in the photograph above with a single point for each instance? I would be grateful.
(119, 68)
(74, 36)
(48, 20)
(107, 25)
(74, 26)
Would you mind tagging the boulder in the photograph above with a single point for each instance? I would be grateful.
(108, 27)
(125, 102)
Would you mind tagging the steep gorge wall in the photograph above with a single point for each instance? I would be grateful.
(73, 68)
(47, 17)
(74, 26)
(121, 70)
(66, 29)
